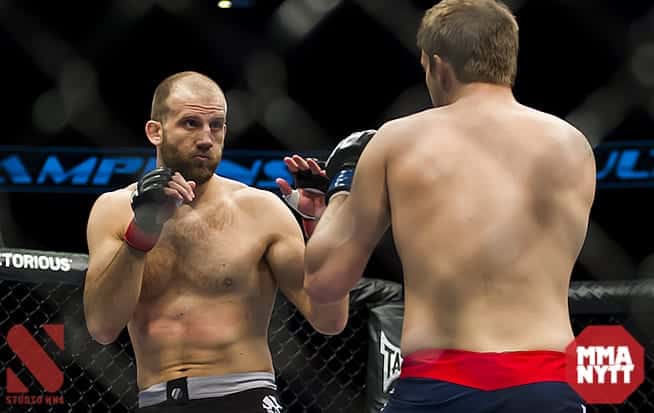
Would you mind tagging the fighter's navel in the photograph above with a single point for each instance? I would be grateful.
(227, 282)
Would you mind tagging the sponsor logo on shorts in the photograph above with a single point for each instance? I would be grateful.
(605, 364)
(40, 365)
(34, 262)
(271, 405)
(176, 393)
(392, 361)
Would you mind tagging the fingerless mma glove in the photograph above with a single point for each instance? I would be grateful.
(152, 207)
(342, 161)
(309, 182)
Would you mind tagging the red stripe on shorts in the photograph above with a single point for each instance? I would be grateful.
(486, 371)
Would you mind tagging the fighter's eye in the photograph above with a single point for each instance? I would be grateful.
(190, 123)
(217, 124)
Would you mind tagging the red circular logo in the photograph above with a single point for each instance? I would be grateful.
(605, 364)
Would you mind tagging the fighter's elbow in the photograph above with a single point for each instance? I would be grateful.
(331, 319)
(329, 328)
(322, 292)
(102, 334)
(329, 312)
(103, 337)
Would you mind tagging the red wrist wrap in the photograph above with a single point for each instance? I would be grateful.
(308, 225)
(138, 239)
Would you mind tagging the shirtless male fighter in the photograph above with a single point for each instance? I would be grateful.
(190, 262)
(489, 202)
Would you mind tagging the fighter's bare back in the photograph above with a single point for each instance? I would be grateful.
(490, 203)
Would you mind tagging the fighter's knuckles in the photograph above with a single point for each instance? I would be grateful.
(180, 179)
(179, 189)
(172, 193)
(291, 165)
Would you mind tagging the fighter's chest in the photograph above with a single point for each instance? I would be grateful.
(209, 251)
(191, 228)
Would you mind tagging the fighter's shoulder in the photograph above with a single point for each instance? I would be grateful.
(402, 125)
(112, 204)
(399, 131)
(415, 123)
(249, 194)
(564, 135)
(264, 207)
(258, 201)
(115, 196)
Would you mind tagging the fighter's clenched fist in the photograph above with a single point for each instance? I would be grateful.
(154, 200)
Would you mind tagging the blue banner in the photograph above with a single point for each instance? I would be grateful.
(625, 164)
(93, 170)
(97, 170)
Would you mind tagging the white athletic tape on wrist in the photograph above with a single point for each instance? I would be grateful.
(293, 200)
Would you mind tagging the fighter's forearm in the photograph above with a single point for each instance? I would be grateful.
(111, 293)
(325, 235)
(330, 267)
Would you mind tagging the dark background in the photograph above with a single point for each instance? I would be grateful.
(82, 73)
(299, 75)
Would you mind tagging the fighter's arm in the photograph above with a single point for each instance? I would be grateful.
(285, 257)
(350, 228)
(122, 226)
(115, 270)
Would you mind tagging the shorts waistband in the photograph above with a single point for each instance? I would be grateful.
(486, 371)
(201, 387)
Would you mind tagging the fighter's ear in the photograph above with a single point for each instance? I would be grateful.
(443, 71)
(436, 64)
(425, 61)
(154, 131)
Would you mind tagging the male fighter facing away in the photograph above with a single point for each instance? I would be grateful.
(489, 202)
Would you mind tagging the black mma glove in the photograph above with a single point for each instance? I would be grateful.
(309, 182)
(343, 160)
(152, 207)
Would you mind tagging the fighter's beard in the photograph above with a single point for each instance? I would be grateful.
(191, 170)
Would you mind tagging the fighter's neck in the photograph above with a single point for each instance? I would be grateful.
(485, 91)
(202, 189)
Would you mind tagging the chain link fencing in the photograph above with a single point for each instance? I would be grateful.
(315, 373)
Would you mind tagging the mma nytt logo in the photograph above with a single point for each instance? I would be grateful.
(595, 363)
(605, 364)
